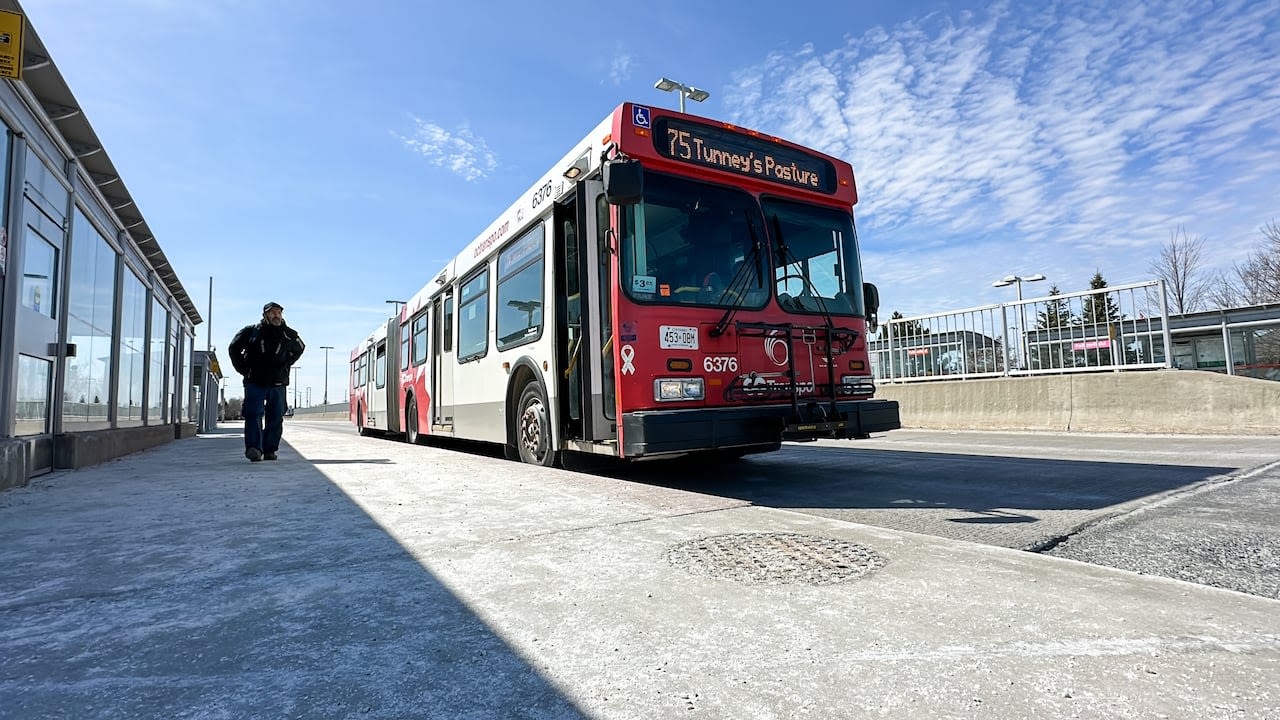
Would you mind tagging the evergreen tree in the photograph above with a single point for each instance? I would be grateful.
(1055, 316)
(1056, 313)
(1097, 316)
(911, 328)
(1099, 308)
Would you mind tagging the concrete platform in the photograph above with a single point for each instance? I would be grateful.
(364, 578)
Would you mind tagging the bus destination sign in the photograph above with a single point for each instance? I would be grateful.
(726, 150)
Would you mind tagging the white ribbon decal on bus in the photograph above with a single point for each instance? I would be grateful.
(628, 354)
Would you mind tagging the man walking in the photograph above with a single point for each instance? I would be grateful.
(263, 354)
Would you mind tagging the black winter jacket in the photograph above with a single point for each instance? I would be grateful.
(263, 353)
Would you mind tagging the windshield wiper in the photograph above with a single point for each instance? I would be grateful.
(786, 258)
(740, 282)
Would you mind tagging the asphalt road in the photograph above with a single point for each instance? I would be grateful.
(1222, 534)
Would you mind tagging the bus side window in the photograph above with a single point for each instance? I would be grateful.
(448, 323)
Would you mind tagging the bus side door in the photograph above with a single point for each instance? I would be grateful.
(442, 363)
(376, 390)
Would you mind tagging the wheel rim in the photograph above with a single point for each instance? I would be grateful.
(532, 430)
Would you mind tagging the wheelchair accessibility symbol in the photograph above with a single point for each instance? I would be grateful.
(640, 116)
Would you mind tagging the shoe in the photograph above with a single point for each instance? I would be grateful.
(269, 456)
(254, 454)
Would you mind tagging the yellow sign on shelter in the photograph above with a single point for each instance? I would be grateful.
(11, 27)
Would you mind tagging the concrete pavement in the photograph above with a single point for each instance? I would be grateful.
(362, 578)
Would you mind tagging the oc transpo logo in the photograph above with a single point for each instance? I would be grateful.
(776, 349)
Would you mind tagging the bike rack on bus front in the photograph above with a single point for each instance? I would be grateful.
(811, 419)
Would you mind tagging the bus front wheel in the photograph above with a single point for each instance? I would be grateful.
(533, 429)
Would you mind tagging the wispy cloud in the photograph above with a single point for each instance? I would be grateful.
(459, 151)
(620, 68)
(1094, 126)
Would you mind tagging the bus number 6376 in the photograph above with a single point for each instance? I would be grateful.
(723, 363)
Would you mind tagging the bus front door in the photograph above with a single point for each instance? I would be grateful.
(598, 390)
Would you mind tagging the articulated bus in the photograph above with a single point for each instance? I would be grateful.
(673, 286)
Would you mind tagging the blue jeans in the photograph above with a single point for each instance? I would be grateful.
(260, 401)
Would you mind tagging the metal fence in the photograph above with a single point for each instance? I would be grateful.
(1116, 328)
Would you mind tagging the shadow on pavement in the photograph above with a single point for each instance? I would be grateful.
(1004, 489)
(185, 581)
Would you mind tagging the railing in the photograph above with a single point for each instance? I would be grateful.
(323, 412)
(1109, 329)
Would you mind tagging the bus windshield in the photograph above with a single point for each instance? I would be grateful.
(694, 243)
(816, 258)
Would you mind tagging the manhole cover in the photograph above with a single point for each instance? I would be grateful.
(775, 558)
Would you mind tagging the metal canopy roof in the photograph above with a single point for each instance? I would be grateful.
(42, 78)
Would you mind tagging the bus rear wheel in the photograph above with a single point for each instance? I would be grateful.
(533, 428)
(411, 422)
(360, 428)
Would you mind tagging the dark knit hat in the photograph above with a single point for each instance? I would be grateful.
(270, 305)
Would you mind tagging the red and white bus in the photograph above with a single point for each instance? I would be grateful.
(674, 285)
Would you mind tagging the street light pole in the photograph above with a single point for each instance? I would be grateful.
(326, 349)
(295, 386)
(693, 93)
(1006, 281)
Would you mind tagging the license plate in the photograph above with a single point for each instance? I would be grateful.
(678, 337)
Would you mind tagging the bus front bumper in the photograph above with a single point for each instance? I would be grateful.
(666, 432)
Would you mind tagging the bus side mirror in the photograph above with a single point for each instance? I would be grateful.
(871, 300)
(623, 182)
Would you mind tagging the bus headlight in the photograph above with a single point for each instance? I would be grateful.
(675, 389)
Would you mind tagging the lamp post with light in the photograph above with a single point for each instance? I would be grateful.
(326, 349)
(1017, 280)
(693, 93)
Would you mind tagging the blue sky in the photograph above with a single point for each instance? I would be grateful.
(332, 156)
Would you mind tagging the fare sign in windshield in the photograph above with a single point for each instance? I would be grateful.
(730, 151)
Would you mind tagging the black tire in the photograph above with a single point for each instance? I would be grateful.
(360, 428)
(533, 428)
(411, 435)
